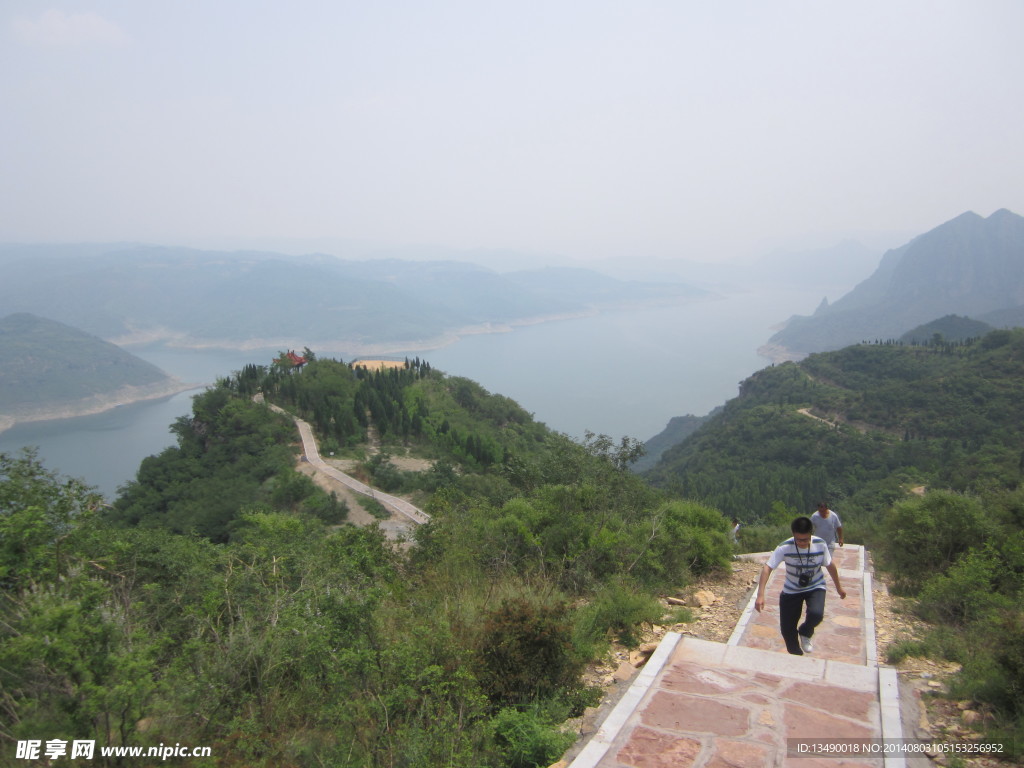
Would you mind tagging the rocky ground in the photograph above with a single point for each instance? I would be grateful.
(716, 603)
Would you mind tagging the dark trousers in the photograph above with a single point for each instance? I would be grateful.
(790, 608)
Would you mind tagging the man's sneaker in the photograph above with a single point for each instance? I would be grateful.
(806, 644)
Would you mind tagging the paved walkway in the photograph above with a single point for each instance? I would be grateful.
(312, 454)
(749, 704)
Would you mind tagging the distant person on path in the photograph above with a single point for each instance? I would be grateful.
(827, 526)
(735, 531)
(804, 555)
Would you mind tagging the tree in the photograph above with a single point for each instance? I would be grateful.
(924, 536)
(38, 509)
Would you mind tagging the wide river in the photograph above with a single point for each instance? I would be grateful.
(623, 373)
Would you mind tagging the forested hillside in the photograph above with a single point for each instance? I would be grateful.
(920, 449)
(49, 365)
(233, 452)
(224, 602)
(860, 426)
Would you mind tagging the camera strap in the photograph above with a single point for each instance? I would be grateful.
(805, 561)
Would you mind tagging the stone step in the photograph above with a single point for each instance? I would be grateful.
(747, 702)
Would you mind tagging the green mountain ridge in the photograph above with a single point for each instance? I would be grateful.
(678, 429)
(861, 425)
(948, 328)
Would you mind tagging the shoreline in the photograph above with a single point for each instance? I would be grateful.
(776, 353)
(355, 349)
(100, 403)
(346, 348)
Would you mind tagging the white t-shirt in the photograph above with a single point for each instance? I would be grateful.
(810, 561)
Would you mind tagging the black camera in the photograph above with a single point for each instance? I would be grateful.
(804, 579)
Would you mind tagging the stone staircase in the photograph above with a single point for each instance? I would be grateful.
(747, 703)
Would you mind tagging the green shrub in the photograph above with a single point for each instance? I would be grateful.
(385, 475)
(526, 741)
(994, 671)
(966, 593)
(903, 649)
(680, 615)
(682, 538)
(618, 609)
(289, 488)
(527, 654)
(925, 536)
(374, 507)
(326, 507)
(1009, 657)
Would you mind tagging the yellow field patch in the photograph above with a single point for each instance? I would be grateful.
(376, 365)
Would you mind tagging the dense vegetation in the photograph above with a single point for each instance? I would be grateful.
(218, 603)
(232, 454)
(860, 426)
(961, 558)
(920, 448)
(223, 600)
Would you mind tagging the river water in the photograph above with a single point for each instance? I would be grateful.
(623, 373)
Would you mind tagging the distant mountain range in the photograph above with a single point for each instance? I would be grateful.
(970, 266)
(52, 370)
(244, 300)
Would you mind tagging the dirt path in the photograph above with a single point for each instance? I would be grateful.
(403, 514)
(807, 412)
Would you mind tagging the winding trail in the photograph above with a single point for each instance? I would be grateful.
(393, 503)
(807, 412)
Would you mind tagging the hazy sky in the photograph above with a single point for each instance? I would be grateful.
(698, 130)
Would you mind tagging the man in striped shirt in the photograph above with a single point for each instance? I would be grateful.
(805, 556)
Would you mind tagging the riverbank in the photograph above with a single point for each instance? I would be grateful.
(349, 348)
(777, 353)
(345, 348)
(99, 403)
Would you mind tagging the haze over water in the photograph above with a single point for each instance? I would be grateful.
(622, 373)
(625, 373)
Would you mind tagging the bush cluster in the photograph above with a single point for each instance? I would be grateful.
(962, 559)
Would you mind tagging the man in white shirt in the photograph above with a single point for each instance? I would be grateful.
(805, 556)
(827, 526)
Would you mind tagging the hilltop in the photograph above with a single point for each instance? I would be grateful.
(52, 370)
